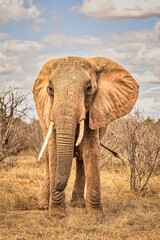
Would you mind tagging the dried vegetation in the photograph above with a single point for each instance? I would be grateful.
(16, 134)
(130, 192)
(129, 215)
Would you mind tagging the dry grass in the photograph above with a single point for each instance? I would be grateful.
(128, 216)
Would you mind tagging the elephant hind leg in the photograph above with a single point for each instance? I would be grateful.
(78, 191)
(44, 200)
(45, 194)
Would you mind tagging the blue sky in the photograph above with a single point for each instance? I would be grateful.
(128, 32)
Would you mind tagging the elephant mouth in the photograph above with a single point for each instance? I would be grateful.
(50, 130)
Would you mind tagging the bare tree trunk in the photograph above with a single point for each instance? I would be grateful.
(149, 175)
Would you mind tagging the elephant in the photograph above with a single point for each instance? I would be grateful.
(76, 99)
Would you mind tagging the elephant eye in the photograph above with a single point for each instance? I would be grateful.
(50, 90)
(88, 88)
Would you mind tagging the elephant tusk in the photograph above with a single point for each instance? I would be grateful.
(81, 133)
(46, 140)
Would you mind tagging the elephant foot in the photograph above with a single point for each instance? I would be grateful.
(57, 212)
(43, 205)
(78, 202)
(95, 213)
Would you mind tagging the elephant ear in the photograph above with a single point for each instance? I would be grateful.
(116, 95)
(42, 100)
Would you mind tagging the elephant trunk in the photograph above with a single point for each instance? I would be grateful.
(65, 137)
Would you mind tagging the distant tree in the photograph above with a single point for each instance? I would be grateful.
(158, 121)
(141, 140)
(13, 109)
(137, 140)
(149, 120)
(35, 135)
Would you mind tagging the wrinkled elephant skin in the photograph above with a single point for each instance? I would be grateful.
(67, 92)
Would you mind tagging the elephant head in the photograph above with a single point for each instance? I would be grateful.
(70, 89)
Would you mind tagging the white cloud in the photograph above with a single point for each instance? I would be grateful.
(37, 28)
(19, 46)
(138, 51)
(149, 107)
(118, 9)
(61, 40)
(147, 77)
(40, 20)
(54, 18)
(18, 57)
(9, 64)
(149, 101)
(153, 92)
(15, 10)
(4, 36)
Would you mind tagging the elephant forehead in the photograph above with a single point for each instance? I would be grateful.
(73, 61)
(63, 65)
(69, 76)
(65, 72)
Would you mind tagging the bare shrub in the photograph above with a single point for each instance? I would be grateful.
(112, 140)
(13, 108)
(138, 142)
(35, 134)
(141, 141)
(15, 133)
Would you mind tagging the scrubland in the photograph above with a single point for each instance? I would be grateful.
(128, 215)
(130, 192)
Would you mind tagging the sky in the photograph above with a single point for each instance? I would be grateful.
(128, 32)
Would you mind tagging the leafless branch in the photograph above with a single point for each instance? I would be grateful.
(151, 170)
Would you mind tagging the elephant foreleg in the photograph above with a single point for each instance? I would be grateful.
(91, 156)
(78, 191)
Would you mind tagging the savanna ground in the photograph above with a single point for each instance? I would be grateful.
(127, 215)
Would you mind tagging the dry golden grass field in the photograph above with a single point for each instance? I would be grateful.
(127, 215)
